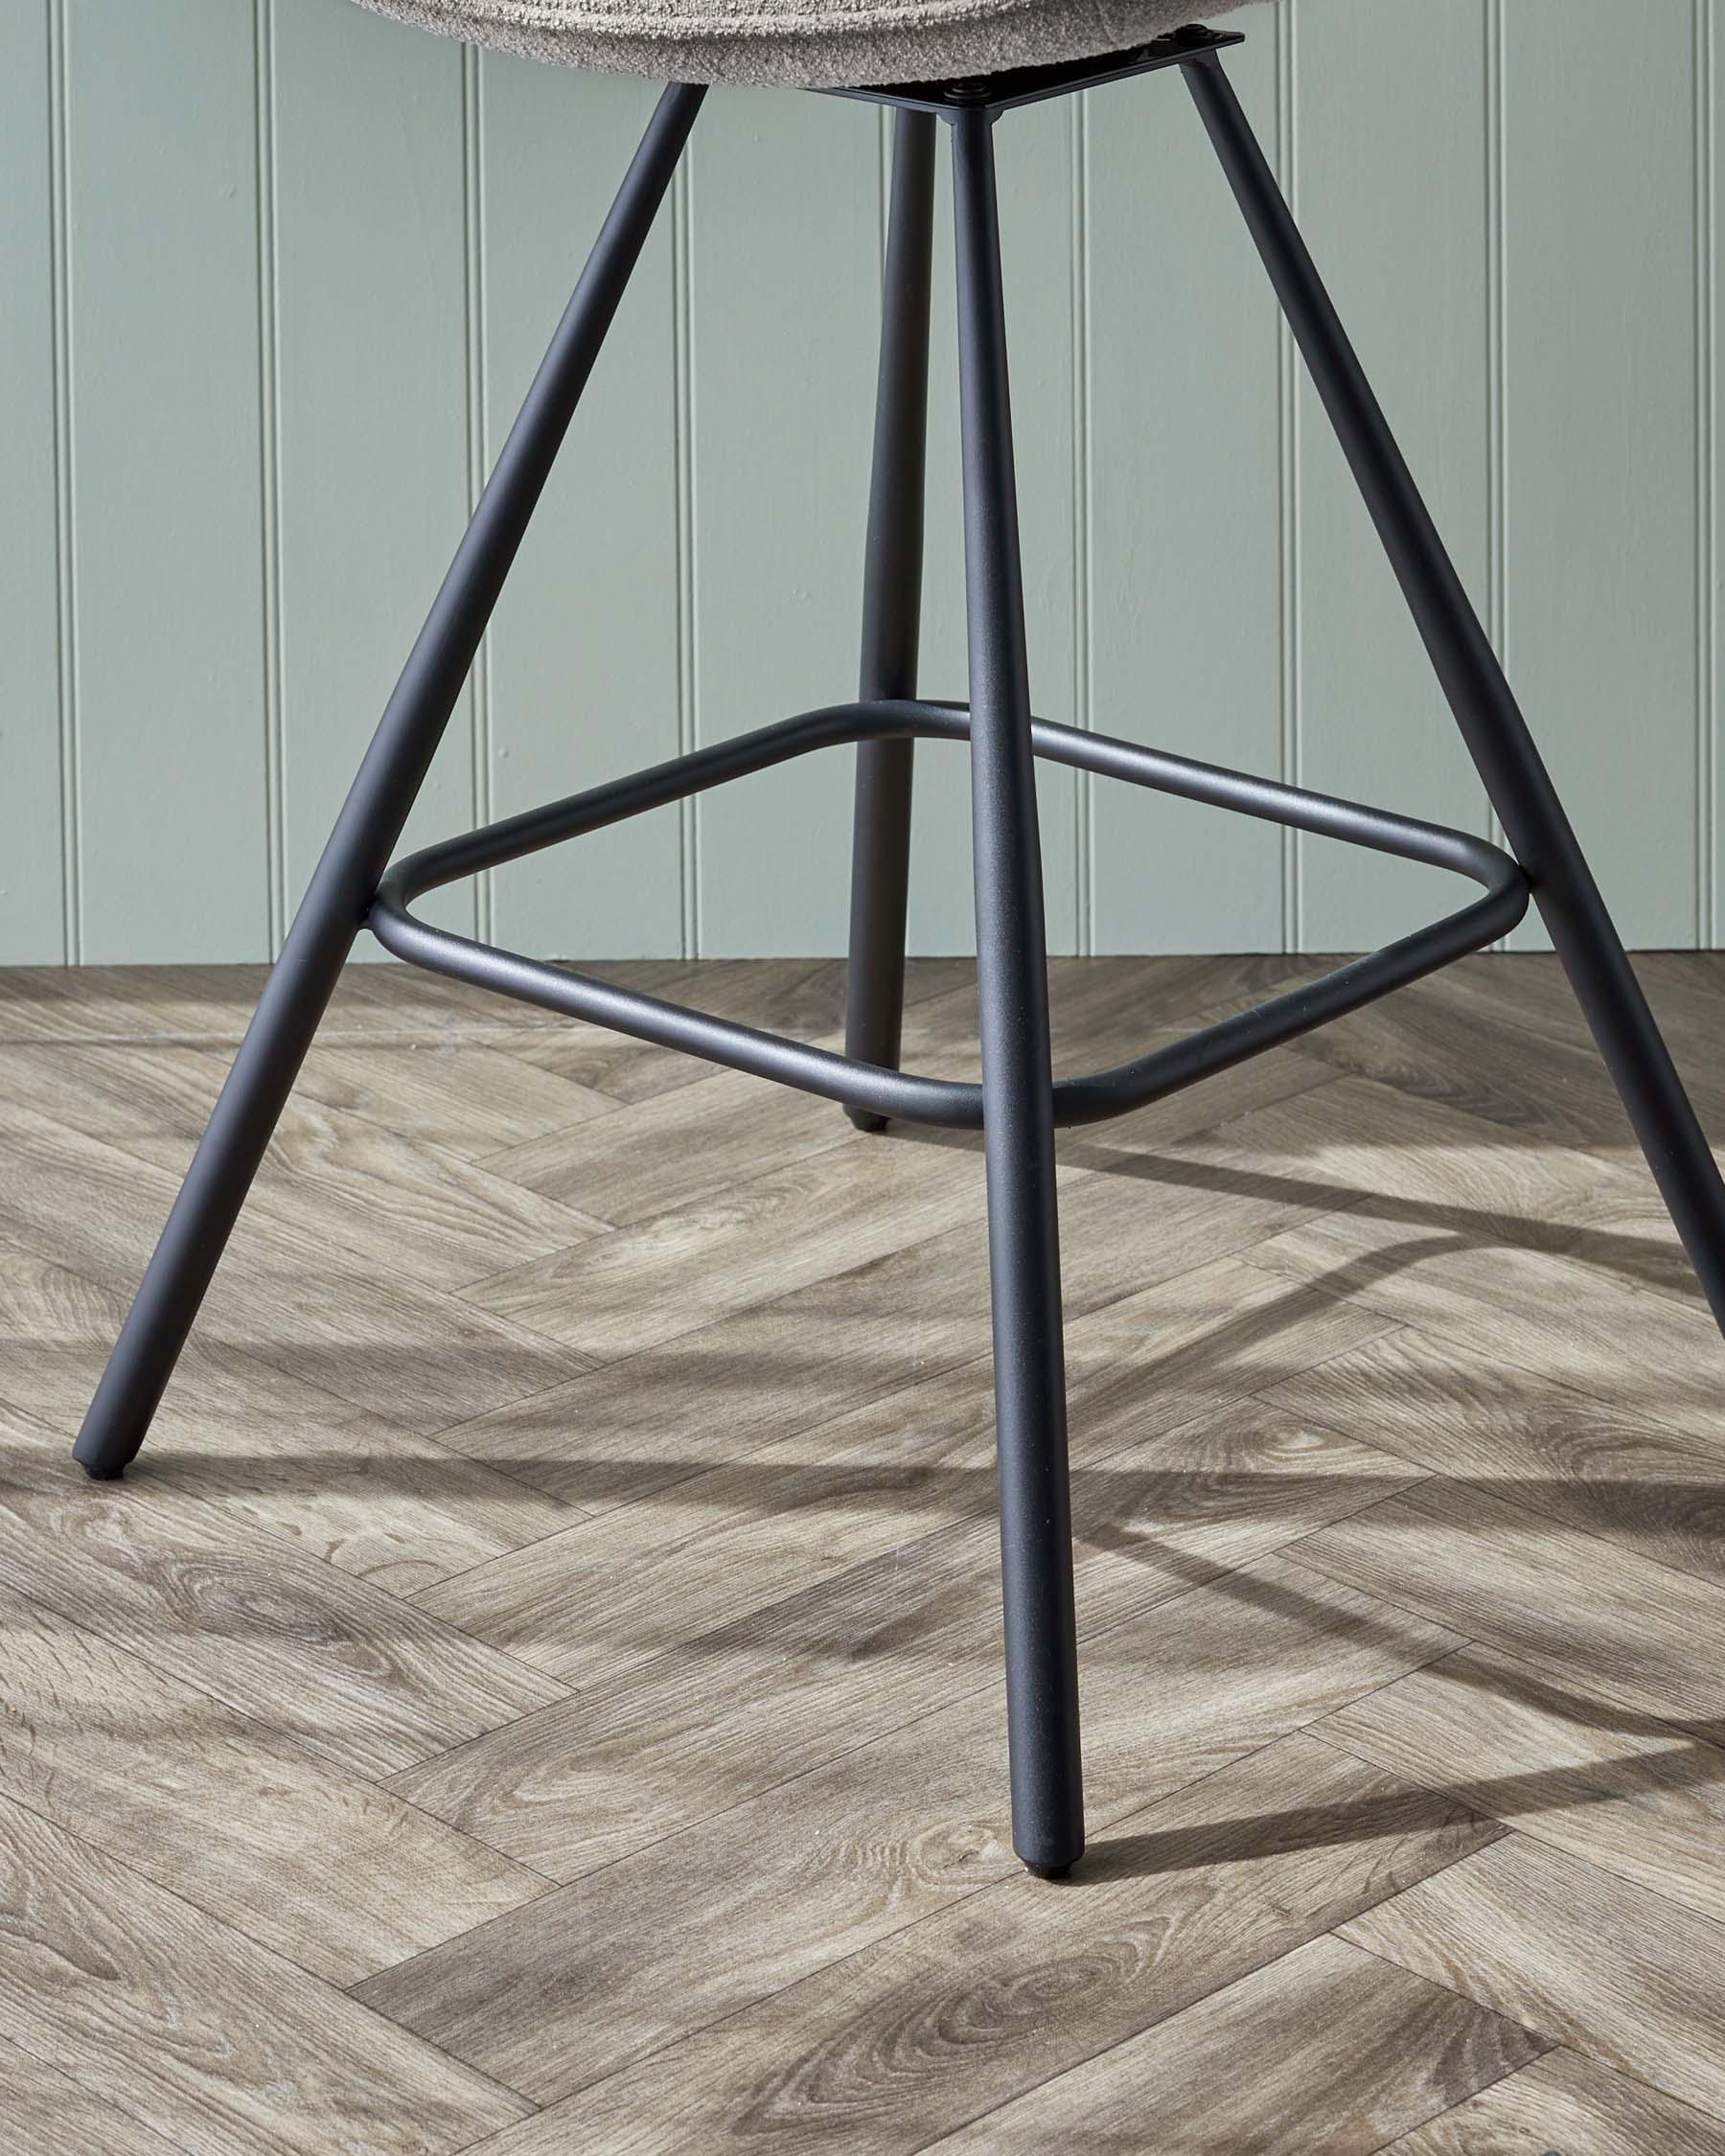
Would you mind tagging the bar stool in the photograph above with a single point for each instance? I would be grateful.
(964, 65)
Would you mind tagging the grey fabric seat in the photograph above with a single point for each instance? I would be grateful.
(809, 44)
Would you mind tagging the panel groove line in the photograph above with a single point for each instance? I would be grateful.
(1496, 626)
(269, 476)
(65, 495)
(1083, 453)
(1707, 622)
(1288, 388)
(1714, 658)
(688, 707)
(479, 457)
(35, 710)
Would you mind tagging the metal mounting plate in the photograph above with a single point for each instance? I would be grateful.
(1031, 86)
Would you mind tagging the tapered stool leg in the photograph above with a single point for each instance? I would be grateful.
(1023, 1237)
(1492, 726)
(893, 613)
(371, 821)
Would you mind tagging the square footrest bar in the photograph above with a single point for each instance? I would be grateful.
(946, 1102)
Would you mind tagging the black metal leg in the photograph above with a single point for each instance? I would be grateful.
(1495, 734)
(1024, 1235)
(893, 613)
(371, 820)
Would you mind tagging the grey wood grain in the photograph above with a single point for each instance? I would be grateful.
(210, 2040)
(630, 1734)
(214, 1805)
(363, 1679)
(1550, 1941)
(1565, 2101)
(898, 2044)
(881, 1834)
(1322, 2050)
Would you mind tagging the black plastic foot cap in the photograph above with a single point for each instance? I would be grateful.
(1049, 1870)
(104, 1474)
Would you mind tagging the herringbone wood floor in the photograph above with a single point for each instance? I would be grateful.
(541, 1691)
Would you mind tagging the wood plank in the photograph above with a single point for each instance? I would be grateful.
(1368, 1147)
(1478, 1237)
(709, 1398)
(468, 1097)
(427, 1217)
(1459, 1041)
(408, 1354)
(43, 2110)
(691, 1927)
(836, 1210)
(405, 1205)
(361, 1679)
(781, 995)
(674, 1149)
(912, 2033)
(1324, 2049)
(212, 1005)
(411, 1355)
(1436, 1212)
(1558, 1945)
(1100, 1009)
(1683, 988)
(1584, 1610)
(611, 1590)
(618, 1294)
(113, 1091)
(245, 1437)
(335, 1873)
(213, 2042)
(1566, 2102)
(1501, 1302)
(1632, 1456)
(1630, 1794)
(671, 1739)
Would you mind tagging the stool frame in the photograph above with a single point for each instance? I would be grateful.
(1018, 1103)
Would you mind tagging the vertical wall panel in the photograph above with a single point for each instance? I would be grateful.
(32, 921)
(786, 311)
(583, 655)
(1710, 195)
(162, 174)
(1185, 510)
(372, 398)
(1391, 168)
(1600, 437)
(1034, 151)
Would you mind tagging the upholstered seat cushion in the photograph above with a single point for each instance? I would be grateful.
(814, 44)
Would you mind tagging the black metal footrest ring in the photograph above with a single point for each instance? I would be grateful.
(947, 1102)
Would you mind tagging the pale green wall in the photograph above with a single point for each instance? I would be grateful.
(276, 273)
